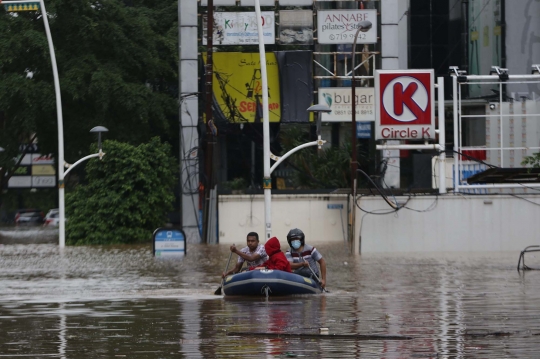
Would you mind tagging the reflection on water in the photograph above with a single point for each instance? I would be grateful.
(109, 302)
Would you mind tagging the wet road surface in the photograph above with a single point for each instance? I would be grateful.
(119, 301)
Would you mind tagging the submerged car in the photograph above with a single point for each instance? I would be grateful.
(29, 217)
(52, 218)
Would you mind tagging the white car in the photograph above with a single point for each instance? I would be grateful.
(52, 218)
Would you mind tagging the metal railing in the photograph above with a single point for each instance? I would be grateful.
(506, 130)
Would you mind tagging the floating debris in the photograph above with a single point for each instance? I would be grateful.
(322, 335)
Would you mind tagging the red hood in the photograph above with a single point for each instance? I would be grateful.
(272, 246)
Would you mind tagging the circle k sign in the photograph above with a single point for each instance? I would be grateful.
(404, 101)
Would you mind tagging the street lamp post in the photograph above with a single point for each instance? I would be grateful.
(100, 153)
(61, 208)
(362, 26)
(60, 124)
(267, 180)
(319, 109)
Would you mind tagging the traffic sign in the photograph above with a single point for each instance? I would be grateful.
(404, 101)
(169, 242)
(363, 130)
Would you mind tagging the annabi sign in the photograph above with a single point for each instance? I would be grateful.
(340, 26)
(404, 100)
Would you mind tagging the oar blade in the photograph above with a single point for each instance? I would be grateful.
(218, 291)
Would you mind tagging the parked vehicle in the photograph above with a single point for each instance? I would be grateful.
(52, 218)
(29, 217)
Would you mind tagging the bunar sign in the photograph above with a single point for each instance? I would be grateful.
(404, 101)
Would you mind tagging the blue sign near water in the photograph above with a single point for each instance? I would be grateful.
(363, 130)
(169, 242)
(334, 206)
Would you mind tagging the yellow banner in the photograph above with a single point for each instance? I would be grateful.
(237, 86)
(39, 170)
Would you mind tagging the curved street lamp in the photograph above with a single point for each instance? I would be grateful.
(363, 26)
(61, 214)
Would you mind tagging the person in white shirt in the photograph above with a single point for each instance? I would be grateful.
(254, 254)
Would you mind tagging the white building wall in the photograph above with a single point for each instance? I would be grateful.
(239, 215)
(451, 223)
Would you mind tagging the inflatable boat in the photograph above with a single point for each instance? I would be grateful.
(269, 282)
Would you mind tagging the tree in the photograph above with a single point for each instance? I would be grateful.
(117, 63)
(128, 195)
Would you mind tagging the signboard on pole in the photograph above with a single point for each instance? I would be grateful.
(340, 26)
(404, 101)
(169, 242)
(339, 101)
(35, 171)
(296, 27)
(363, 130)
(240, 28)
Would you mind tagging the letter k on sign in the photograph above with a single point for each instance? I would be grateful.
(405, 99)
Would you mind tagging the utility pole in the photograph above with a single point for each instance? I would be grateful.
(210, 127)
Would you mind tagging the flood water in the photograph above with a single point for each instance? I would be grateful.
(119, 301)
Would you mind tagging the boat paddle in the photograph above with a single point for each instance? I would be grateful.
(218, 291)
(315, 275)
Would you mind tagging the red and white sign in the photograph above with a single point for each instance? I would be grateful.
(404, 101)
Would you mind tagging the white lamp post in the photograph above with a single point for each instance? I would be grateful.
(61, 216)
(362, 26)
(100, 153)
(60, 159)
(60, 122)
(267, 179)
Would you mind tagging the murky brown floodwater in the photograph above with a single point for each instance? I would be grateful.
(114, 302)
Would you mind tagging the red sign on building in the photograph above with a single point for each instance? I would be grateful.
(404, 102)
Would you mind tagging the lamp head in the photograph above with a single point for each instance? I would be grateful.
(99, 130)
(319, 108)
(365, 25)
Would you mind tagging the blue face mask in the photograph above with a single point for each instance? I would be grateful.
(296, 244)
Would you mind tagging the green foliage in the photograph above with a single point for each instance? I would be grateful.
(117, 62)
(128, 195)
(325, 168)
(532, 161)
(237, 183)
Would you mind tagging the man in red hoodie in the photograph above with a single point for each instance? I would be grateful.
(276, 258)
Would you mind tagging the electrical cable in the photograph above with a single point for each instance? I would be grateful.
(526, 200)
(392, 205)
(191, 168)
